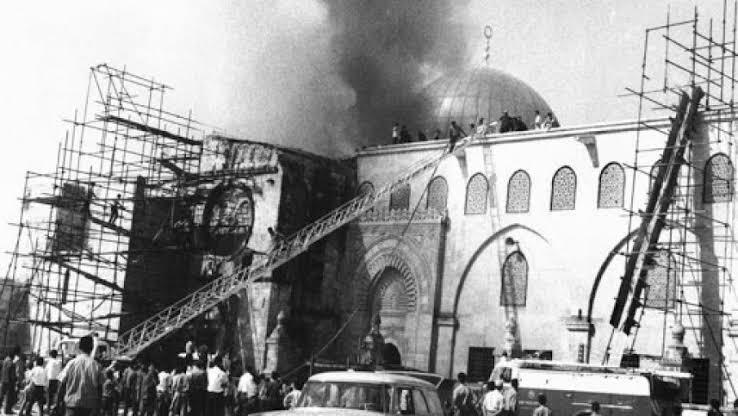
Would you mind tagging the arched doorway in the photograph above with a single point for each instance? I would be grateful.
(391, 355)
(390, 302)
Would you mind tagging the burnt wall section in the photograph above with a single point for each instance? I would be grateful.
(311, 187)
(15, 311)
(158, 269)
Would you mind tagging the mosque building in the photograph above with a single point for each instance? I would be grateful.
(516, 244)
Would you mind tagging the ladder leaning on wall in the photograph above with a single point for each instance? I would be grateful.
(173, 317)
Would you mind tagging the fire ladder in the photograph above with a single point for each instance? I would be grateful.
(640, 258)
(173, 317)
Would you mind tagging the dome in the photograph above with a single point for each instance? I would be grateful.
(466, 96)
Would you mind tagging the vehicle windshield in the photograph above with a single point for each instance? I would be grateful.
(345, 395)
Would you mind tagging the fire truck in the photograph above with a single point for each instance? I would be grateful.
(570, 388)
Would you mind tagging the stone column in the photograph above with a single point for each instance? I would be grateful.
(278, 347)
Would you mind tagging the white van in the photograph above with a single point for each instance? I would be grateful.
(570, 388)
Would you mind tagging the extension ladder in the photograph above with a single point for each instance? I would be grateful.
(205, 298)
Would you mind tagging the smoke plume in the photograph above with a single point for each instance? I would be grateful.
(386, 51)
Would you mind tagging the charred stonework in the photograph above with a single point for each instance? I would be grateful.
(259, 194)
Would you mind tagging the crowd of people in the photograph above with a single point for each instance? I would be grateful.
(506, 123)
(199, 384)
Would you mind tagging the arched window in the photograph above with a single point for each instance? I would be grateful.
(662, 281)
(437, 194)
(718, 179)
(514, 280)
(400, 198)
(476, 195)
(518, 192)
(612, 186)
(365, 188)
(563, 189)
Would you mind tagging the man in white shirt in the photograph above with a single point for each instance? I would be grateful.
(217, 382)
(493, 402)
(38, 382)
(53, 368)
(247, 391)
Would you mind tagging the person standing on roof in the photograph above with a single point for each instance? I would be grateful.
(463, 398)
(405, 135)
(505, 123)
(455, 133)
(395, 133)
(481, 127)
(82, 382)
(537, 121)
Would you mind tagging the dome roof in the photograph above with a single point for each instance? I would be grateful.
(466, 96)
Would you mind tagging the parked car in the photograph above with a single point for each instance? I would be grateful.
(365, 393)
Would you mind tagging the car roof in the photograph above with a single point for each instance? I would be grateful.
(370, 378)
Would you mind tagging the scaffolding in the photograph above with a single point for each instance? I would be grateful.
(76, 239)
(696, 247)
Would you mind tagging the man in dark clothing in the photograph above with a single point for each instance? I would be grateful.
(506, 123)
(148, 392)
(405, 135)
(421, 136)
(518, 124)
(455, 133)
(115, 210)
(130, 390)
(198, 389)
(8, 382)
(273, 399)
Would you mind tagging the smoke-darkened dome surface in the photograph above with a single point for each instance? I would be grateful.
(465, 96)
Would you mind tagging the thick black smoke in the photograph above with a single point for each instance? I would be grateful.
(386, 50)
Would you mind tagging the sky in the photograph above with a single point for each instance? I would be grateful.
(239, 65)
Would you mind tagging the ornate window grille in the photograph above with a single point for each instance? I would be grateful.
(718, 179)
(612, 186)
(518, 192)
(437, 194)
(476, 195)
(563, 189)
(514, 280)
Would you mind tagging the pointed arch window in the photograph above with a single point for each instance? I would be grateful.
(518, 192)
(563, 189)
(612, 186)
(662, 281)
(718, 179)
(514, 280)
(365, 188)
(400, 198)
(476, 195)
(437, 194)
